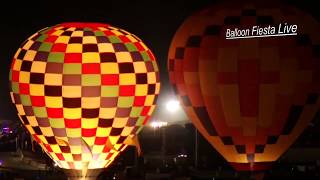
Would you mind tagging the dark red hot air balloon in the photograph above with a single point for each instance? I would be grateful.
(249, 97)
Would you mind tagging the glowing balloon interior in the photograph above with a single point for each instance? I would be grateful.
(250, 98)
(83, 90)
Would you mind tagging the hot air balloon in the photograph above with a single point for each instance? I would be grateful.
(84, 91)
(249, 97)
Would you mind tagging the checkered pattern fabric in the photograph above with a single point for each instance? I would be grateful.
(82, 89)
(250, 98)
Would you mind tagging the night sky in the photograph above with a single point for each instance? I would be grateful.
(154, 21)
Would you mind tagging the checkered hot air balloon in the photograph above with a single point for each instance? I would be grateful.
(83, 90)
(250, 98)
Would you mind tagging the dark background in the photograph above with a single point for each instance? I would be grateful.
(154, 21)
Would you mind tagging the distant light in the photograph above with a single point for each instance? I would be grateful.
(158, 124)
(173, 105)
(1, 163)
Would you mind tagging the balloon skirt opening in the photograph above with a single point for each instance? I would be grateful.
(89, 174)
(257, 166)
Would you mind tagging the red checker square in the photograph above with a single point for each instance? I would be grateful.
(146, 120)
(73, 58)
(60, 156)
(72, 123)
(124, 39)
(145, 111)
(100, 140)
(151, 55)
(15, 76)
(109, 156)
(51, 39)
(108, 33)
(128, 90)
(59, 47)
(110, 79)
(88, 132)
(91, 68)
(106, 149)
(139, 46)
(55, 112)
(49, 149)
(24, 88)
(36, 138)
(14, 61)
(38, 101)
(139, 100)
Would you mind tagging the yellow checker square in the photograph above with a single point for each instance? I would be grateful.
(103, 156)
(30, 129)
(77, 164)
(149, 100)
(71, 91)
(24, 77)
(97, 149)
(89, 123)
(72, 113)
(53, 156)
(20, 110)
(89, 40)
(73, 132)
(141, 90)
(38, 67)
(105, 47)
(140, 67)
(36, 89)
(151, 110)
(116, 32)
(74, 48)
(30, 55)
(53, 79)
(53, 101)
(64, 164)
(62, 39)
(28, 44)
(47, 131)
(90, 102)
(117, 146)
(109, 68)
(77, 34)
(43, 139)
(102, 132)
(89, 140)
(157, 88)
(17, 65)
(151, 77)
(55, 148)
(119, 122)
(113, 139)
(91, 57)
(131, 38)
(32, 121)
(127, 79)
(76, 149)
(57, 122)
(57, 33)
(126, 131)
(107, 113)
(86, 157)
(123, 57)
(71, 29)
(68, 157)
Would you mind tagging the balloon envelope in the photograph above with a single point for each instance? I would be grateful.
(250, 98)
(83, 89)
